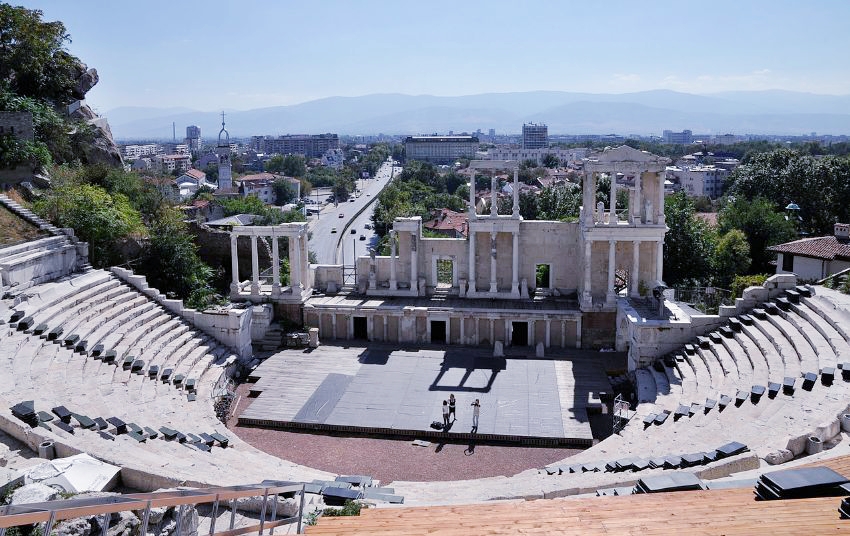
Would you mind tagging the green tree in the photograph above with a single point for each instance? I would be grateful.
(171, 263)
(688, 245)
(761, 223)
(33, 59)
(551, 161)
(731, 257)
(284, 192)
(560, 202)
(819, 186)
(101, 219)
(294, 166)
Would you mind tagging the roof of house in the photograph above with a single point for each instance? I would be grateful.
(236, 219)
(448, 220)
(822, 247)
(196, 174)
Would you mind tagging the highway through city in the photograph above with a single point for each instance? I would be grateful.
(338, 221)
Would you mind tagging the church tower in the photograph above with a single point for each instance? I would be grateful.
(225, 180)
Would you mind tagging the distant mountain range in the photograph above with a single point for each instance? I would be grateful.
(646, 112)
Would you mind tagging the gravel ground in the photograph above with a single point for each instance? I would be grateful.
(389, 459)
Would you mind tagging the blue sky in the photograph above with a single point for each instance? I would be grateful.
(211, 55)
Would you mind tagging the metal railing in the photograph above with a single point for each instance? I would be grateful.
(705, 299)
(53, 511)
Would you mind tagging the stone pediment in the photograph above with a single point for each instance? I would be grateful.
(614, 158)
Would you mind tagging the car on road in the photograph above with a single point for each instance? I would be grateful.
(367, 226)
(341, 215)
(333, 230)
(362, 237)
(353, 231)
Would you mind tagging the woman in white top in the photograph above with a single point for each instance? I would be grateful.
(445, 414)
(476, 409)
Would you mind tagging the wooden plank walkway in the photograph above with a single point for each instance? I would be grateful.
(733, 511)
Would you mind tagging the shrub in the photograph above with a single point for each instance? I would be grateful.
(743, 281)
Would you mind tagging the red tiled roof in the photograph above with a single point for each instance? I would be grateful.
(258, 177)
(196, 173)
(823, 247)
(448, 220)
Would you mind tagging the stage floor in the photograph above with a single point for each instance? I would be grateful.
(392, 390)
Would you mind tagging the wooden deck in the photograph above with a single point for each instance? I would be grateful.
(728, 512)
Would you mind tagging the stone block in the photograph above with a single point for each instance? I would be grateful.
(778, 457)
(498, 349)
(540, 350)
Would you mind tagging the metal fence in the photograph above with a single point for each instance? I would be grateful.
(705, 299)
(53, 511)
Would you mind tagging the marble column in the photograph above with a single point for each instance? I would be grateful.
(587, 296)
(515, 212)
(612, 217)
(659, 260)
(414, 268)
(515, 265)
(548, 332)
(589, 201)
(234, 263)
(563, 333)
(578, 333)
(472, 261)
(295, 264)
(636, 209)
(612, 268)
(472, 195)
(494, 205)
(462, 330)
(508, 332)
(255, 267)
(634, 277)
(333, 324)
(275, 266)
(493, 286)
(492, 332)
(659, 207)
(393, 282)
(386, 329)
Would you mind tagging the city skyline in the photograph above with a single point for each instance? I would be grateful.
(211, 56)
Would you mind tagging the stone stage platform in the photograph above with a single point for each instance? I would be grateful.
(398, 391)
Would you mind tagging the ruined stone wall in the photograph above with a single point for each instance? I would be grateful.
(18, 124)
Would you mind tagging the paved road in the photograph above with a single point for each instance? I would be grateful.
(324, 240)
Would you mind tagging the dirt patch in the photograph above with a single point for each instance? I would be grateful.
(14, 230)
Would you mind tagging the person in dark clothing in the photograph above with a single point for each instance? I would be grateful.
(452, 408)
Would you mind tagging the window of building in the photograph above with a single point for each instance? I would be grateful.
(787, 262)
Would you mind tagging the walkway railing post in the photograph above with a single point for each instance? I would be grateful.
(145, 519)
(214, 516)
(263, 510)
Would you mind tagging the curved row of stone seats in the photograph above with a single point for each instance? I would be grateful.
(44, 296)
(25, 265)
(840, 347)
(829, 306)
(774, 346)
(815, 353)
(95, 290)
(68, 387)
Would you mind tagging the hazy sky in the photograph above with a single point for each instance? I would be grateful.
(211, 55)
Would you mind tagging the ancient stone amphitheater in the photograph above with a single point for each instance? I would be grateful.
(767, 386)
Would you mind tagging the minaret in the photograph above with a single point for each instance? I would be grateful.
(223, 151)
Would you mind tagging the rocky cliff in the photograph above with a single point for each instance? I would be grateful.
(102, 149)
